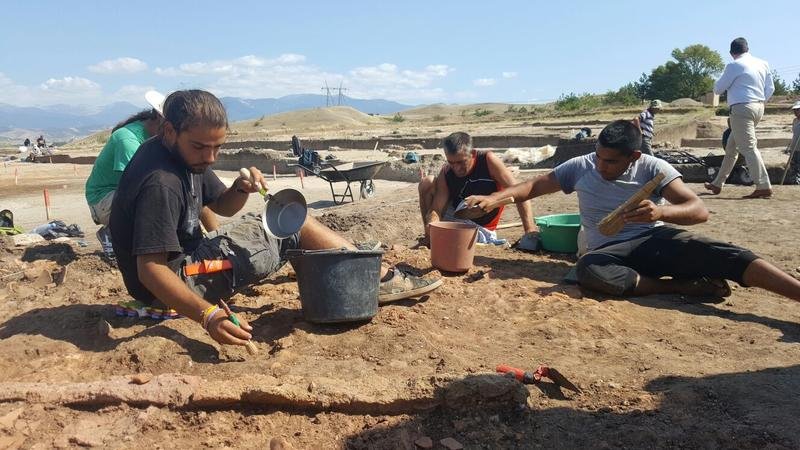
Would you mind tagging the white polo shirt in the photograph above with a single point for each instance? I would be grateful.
(747, 80)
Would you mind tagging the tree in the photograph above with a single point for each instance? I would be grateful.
(781, 88)
(642, 86)
(690, 75)
(796, 85)
(625, 96)
(699, 60)
(666, 82)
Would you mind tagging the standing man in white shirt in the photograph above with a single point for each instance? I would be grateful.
(749, 84)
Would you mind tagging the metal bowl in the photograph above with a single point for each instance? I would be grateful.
(284, 213)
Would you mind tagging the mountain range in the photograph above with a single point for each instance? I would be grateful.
(68, 122)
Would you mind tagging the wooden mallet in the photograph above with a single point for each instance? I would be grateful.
(614, 222)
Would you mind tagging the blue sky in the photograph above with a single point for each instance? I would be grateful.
(97, 52)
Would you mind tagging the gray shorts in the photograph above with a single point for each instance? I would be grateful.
(253, 254)
(101, 211)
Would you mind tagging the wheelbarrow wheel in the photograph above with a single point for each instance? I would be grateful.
(367, 189)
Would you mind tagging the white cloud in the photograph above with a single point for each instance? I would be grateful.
(484, 82)
(230, 66)
(132, 93)
(252, 76)
(69, 85)
(74, 90)
(390, 75)
(249, 76)
(510, 75)
(13, 93)
(119, 65)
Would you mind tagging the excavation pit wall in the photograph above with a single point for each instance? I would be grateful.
(277, 153)
(396, 169)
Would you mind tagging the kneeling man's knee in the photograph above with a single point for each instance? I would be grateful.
(598, 274)
(426, 184)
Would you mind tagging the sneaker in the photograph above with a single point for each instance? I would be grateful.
(104, 236)
(131, 308)
(369, 245)
(135, 308)
(404, 285)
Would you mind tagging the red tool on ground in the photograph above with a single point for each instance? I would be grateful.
(526, 377)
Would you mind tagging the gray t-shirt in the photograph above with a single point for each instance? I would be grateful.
(598, 197)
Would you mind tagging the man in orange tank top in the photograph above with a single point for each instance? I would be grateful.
(467, 172)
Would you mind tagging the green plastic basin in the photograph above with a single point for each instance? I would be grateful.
(559, 232)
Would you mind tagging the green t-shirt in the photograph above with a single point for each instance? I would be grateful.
(113, 159)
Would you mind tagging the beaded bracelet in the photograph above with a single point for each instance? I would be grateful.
(208, 311)
(211, 317)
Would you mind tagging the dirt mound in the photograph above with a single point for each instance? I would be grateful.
(332, 117)
(710, 130)
(453, 110)
(684, 102)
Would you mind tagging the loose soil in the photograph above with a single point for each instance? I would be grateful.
(654, 372)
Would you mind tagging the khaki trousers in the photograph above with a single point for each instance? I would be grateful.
(744, 118)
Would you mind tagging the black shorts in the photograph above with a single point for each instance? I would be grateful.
(661, 252)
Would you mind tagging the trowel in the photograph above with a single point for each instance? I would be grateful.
(464, 211)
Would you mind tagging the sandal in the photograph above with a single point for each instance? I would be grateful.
(759, 193)
(403, 285)
(705, 287)
(714, 189)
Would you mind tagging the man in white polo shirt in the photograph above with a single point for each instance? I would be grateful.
(749, 84)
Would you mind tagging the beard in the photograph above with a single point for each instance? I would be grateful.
(194, 168)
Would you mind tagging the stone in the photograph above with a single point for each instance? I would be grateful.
(141, 378)
(279, 370)
(284, 343)
(25, 239)
(451, 444)
(85, 438)
(37, 276)
(7, 421)
(279, 443)
(424, 442)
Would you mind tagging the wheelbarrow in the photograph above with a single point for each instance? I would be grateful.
(357, 172)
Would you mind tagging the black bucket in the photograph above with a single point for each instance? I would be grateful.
(337, 285)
